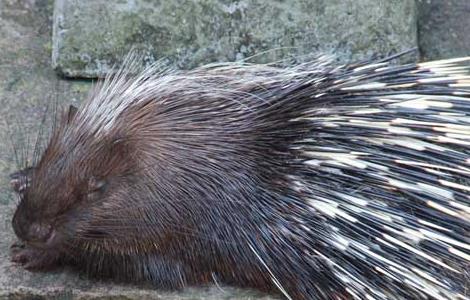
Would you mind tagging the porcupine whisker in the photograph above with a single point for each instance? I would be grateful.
(55, 108)
(23, 163)
(37, 148)
(13, 145)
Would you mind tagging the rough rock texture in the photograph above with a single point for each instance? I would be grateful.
(444, 28)
(90, 36)
(28, 85)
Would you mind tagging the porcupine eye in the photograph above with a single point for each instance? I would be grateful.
(96, 185)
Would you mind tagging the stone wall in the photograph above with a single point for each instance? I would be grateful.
(444, 28)
(91, 36)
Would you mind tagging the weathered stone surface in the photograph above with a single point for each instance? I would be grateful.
(90, 36)
(444, 28)
(27, 82)
(27, 86)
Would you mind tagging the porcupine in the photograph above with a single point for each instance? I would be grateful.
(316, 180)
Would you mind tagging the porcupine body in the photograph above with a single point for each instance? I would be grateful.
(317, 181)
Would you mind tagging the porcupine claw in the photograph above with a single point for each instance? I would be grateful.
(30, 258)
(17, 246)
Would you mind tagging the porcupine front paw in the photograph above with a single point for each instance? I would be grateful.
(33, 259)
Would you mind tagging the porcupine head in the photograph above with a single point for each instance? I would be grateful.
(154, 178)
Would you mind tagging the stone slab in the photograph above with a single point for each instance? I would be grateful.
(90, 36)
(444, 28)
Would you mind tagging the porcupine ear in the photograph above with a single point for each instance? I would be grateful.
(71, 113)
(96, 184)
(20, 180)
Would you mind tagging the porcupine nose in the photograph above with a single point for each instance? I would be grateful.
(31, 231)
